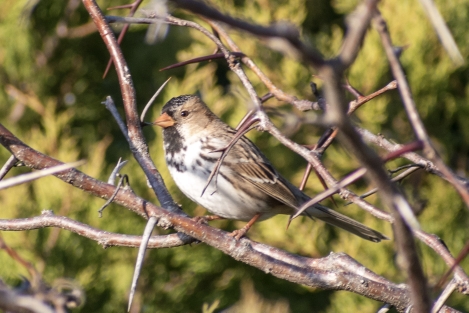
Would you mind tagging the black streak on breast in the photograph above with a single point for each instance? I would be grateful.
(173, 141)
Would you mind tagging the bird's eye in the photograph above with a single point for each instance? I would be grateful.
(184, 113)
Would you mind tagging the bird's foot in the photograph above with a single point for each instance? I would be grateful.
(237, 234)
(206, 218)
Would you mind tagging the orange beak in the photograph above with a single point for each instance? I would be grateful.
(164, 121)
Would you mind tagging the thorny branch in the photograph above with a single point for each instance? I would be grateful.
(307, 271)
(279, 263)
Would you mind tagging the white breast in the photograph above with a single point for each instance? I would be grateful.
(219, 198)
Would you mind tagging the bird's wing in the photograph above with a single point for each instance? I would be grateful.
(246, 161)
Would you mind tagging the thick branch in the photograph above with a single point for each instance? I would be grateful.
(347, 273)
(137, 142)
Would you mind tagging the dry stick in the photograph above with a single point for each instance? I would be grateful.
(135, 137)
(21, 179)
(35, 275)
(409, 105)
(104, 238)
(307, 53)
(305, 176)
(347, 86)
(9, 164)
(429, 166)
(351, 178)
(152, 221)
(354, 176)
(150, 102)
(267, 125)
(244, 127)
(329, 135)
(462, 254)
(123, 181)
(348, 274)
(133, 8)
(353, 106)
(282, 30)
(401, 176)
(444, 296)
(403, 215)
(277, 92)
(443, 31)
(201, 59)
(137, 142)
(232, 63)
(120, 164)
(437, 245)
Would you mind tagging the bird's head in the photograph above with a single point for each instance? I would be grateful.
(188, 114)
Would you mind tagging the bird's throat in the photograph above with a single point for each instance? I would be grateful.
(173, 141)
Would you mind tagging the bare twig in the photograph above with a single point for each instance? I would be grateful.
(133, 8)
(351, 178)
(277, 262)
(429, 166)
(9, 164)
(123, 181)
(244, 126)
(444, 296)
(141, 255)
(409, 105)
(104, 238)
(135, 136)
(36, 175)
(201, 59)
(443, 31)
(331, 133)
(109, 104)
(412, 169)
(115, 172)
(144, 112)
(277, 92)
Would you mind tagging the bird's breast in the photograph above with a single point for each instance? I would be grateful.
(191, 169)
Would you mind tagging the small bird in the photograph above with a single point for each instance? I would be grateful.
(248, 187)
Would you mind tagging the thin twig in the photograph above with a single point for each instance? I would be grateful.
(124, 180)
(274, 90)
(408, 172)
(133, 8)
(443, 31)
(244, 126)
(10, 182)
(410, 107)
(9, 164)
(444, 296)
(201, 59)
(141, 255)
(104, 238)
(150, 102)
(112, 178)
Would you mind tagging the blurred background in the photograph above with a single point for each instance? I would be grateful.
(51, 88)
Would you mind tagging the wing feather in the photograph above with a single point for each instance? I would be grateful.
(246, 161)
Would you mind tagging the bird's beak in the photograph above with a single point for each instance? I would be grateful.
(164, 121)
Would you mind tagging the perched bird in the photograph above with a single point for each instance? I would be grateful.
(248, 187)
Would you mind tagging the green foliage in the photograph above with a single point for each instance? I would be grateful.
(51, 95)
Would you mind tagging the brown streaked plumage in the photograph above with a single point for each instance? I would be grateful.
(247, 187)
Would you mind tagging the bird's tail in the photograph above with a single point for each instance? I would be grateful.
(334, 218)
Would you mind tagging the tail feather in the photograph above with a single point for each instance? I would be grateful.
(334, 218)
